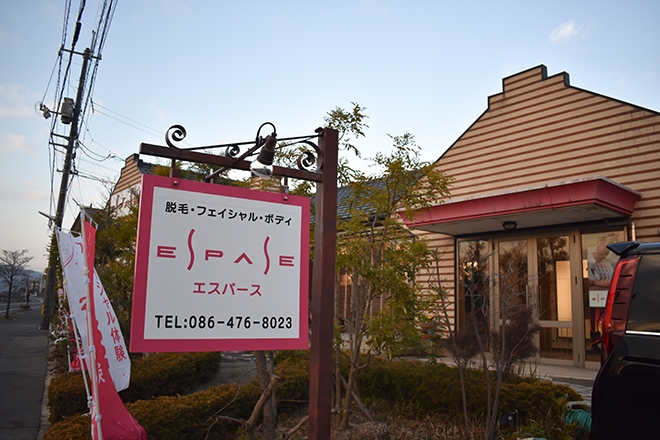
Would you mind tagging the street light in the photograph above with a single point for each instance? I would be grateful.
(51, 218)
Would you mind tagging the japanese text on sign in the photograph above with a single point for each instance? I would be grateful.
(225, 213)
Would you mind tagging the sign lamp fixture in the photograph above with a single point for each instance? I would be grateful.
(262, 166)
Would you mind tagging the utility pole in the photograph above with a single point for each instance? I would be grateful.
(61, 201)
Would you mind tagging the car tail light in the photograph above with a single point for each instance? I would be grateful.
(618, 302)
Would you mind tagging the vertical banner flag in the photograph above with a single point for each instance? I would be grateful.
(110, 419)
(72, 259)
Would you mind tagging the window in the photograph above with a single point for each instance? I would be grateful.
(645, 305)
(472, 284)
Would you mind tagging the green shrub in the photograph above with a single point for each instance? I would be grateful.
(293, 387)
(158, 375)
(182, 417)
(417, 387)
(297, 356)
(410, 387)
(66, 396)
(177, 417)
(189, 417)
(71, 428)
(535, 399)
(427, 389)
(167, 374)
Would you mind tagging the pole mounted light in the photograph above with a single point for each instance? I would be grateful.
(67, 110)
(317, 163)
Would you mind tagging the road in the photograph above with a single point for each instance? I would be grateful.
(23, 361)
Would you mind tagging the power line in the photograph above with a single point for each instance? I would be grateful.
(96, 157)
(95, 162)
(90, 176)
(98, 42)
(123, 120)
(86, 84)
(153, 130)
(50, 79)
(149, 131)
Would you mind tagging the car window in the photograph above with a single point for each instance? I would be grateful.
(644, 314)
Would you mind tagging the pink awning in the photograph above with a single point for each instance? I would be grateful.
(575, 201)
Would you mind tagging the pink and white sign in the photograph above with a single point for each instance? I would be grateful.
(73, 261)
(219, 268)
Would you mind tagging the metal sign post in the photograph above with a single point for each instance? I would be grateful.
(320, 166)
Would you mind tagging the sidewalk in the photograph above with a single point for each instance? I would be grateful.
(23, 360)
(565, 373)
(580, 379)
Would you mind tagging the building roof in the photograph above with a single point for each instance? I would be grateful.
(345, 195)
(96, 214)
(131, 173)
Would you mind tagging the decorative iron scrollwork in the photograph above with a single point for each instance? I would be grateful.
(307, 159)
(175, 133)
(232, 151)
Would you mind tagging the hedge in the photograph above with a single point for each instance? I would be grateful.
(161, 374)
(176, 417)
(191, 416)
(409, 386)
(424, 388)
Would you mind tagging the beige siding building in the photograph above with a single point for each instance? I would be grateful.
(127, 188)
(544, 177)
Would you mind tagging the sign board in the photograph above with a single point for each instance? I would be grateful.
(597, 298)
(219, 268)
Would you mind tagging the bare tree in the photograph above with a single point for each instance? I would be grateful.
(12, 269)
(462, 343)
(498, 324)
(265, 362)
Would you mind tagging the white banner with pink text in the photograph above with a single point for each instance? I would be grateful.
(73, 260)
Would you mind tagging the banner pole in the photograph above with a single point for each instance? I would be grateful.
(93, 373)
(76, 335)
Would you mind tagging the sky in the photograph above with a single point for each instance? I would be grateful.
(222, 68)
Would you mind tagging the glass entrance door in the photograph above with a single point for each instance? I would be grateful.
(574, 273)
(562, 276)
(554, 297)
(537, 271)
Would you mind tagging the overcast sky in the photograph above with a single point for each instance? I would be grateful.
(222, 68)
